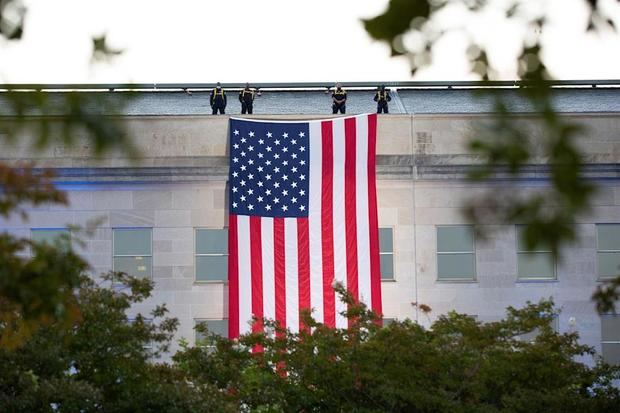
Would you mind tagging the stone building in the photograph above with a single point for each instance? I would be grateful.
(165, 216)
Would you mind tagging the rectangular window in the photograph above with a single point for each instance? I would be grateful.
(133, 251)
(538, 264)
(388, 321)
(610, 338)
(56, 236)
(147, 322)
(211, 261)
(456, 257)
(608, 250)
(217, 327)
(554, 321)
(386, 253)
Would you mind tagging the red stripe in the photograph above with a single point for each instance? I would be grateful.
(327, 224)
(279, 265)
(256, 268)
(350, 206)
(233, 278)
(303, 264)
(375, 269)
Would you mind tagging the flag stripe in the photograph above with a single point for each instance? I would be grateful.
(279, 263)
(351, 206)
(291, 274)
(233, 278)
(257, 272)
(245, 280)
(362, 215)
(269, 289)
(327, 224)
(315, 236)
(375, 269)
(338, 210)
(303, 267)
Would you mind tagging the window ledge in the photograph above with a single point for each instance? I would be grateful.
(210, 282)
(388, 280)
(537, 280)
(456, 281)
(606, 279)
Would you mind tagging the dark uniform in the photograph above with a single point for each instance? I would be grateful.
(339, 98)
(218, 100)
(382, 97)
(246, 97)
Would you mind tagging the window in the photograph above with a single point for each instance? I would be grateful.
(610, 338)
(148, 322)
(456, 258)
(132, 251)
(217, 327)
(538, 264)
(386, 253)
(52, 236)
(388, 321)
(608, 250)
(554, 322)
(211, 261)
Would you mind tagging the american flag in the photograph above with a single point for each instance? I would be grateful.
(303, 215)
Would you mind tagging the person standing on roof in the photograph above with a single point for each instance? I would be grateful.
(339, 98)
(246, 97)
(382, 97)
(218, 99)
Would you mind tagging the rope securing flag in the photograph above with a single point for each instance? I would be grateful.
(303, 215)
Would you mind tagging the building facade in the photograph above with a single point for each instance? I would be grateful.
(164, 217)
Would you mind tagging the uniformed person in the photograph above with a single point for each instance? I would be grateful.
(339, 98)
(246, 97)
(382, 97)
(218, 99)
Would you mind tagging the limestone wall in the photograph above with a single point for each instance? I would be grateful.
(180, 185)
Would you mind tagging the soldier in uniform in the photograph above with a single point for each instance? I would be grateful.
(246, 97)
(382, 97)
(339, 98)
(218, 99)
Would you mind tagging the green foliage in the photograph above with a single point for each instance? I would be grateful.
(102, 362)
(74, 119)
(607, 295)
(503, 147)
(102, 51)
(12, 14)
(457, 365)
(36, 290)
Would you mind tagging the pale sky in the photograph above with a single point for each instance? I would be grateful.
(278, 41)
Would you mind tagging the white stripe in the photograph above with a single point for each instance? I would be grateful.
(361, 192)
(269, 306)
(245, 277)
(291, 274)
(314, 222)
(338, 205)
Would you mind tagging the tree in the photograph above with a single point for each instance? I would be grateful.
(457, 365)
(103, 362)
(503, 146)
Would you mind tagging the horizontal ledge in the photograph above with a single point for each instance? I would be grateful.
(302, 85)
(389, 167)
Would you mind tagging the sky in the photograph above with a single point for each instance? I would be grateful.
(281, 41)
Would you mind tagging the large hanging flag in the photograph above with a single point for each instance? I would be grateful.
(303, 216)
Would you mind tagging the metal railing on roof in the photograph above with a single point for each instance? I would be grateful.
(163, 87)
